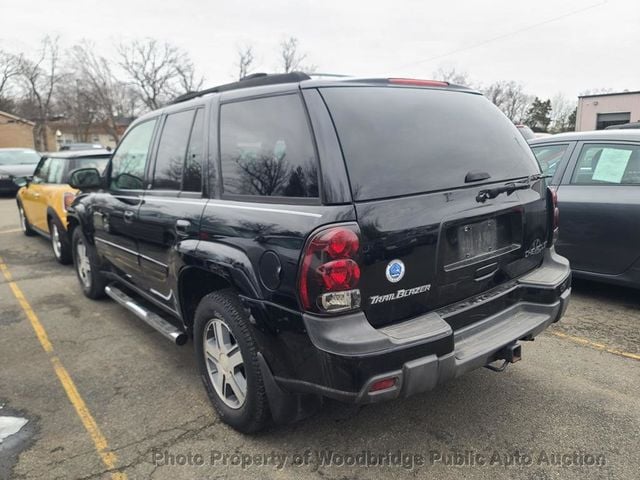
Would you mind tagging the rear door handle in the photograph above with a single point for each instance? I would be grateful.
(128, 216)
(182, 227)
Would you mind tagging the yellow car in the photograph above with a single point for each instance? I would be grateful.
(44, 197)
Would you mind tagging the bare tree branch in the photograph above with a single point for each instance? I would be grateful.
(158, 71)
(452, 75)
(245, 61)
(41, 78)
(509, 96)
(113, 98)
(10, 66)
(291, 58)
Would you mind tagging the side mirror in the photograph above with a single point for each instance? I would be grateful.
(85, 178)
(22, 181)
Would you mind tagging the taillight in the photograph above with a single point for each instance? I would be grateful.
(329, 272)
(418, 83)
(554, 212)
(67, 199)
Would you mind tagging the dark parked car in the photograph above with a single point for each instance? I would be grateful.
(348, 238)
(14, 163)
(597, 179)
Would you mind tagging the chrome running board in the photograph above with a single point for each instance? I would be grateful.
(154, 320)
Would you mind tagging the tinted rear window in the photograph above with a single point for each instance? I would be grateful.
(99, 163)
(267, 149)
(401, 141)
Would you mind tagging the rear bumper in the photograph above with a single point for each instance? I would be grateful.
(423, 352)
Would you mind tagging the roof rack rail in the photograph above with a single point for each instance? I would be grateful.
(253, 80)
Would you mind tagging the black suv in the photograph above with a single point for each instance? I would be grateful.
(358, 239)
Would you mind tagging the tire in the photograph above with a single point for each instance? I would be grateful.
(87, 265)
(60, 242)
(24, 222)
(217, 311)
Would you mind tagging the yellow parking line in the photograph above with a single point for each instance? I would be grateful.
(595, 345)
(108, 458)
(14, 230)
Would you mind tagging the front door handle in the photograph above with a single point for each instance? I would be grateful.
(182, 227)
(128, 216)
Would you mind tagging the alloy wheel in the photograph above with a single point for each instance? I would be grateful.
(83, 265)
(225, 364)
(56, 243)
(23, 220)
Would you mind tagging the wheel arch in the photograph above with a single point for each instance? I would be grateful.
(77, 217)
(219, 266)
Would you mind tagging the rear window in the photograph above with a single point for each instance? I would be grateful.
(99, 163)
(402, 141)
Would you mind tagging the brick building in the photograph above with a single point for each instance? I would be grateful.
(19, 132)
(15, 131)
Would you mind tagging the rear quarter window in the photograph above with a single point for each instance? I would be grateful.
(266, 148)
(401, 141)
(549, 157)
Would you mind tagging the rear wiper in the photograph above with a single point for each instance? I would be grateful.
(509, 188)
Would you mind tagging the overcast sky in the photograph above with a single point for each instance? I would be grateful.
(550, 46)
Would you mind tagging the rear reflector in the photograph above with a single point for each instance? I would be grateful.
(419, 83)
(383, 384)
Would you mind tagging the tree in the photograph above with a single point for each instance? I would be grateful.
(114, 98)
(40, 78)
(292, 59)
(510, 97)
(452, 75)
(10, 66)
(571, 124)
(561, 112)
(245, 61)
(158, 71)
(79, 106)
(539, 115)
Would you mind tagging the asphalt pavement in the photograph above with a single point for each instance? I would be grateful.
(106, 396)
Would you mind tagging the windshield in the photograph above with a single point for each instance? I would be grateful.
(402, 141)
(18, 157)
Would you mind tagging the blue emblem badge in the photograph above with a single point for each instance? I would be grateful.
(395, 271)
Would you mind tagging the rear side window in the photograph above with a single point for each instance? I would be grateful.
(549, 157)
(56, 170)
(608, 164)
(266, 148)
(401, 141)
(172, 150)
